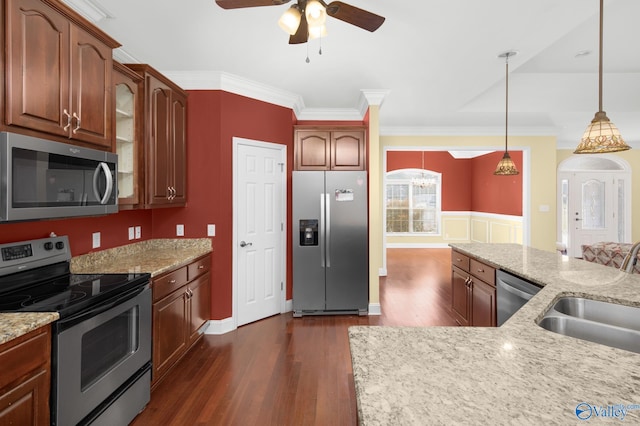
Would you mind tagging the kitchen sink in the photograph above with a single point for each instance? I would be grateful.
(609, 324)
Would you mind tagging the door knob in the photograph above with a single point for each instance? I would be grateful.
(244, 244)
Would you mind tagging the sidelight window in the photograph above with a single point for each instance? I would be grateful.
(413, 201)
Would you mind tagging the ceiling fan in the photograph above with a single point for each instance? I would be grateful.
(305, 19)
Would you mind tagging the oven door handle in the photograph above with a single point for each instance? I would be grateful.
(68, 322)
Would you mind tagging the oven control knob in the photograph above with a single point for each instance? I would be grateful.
(59, 245)
(48, 245)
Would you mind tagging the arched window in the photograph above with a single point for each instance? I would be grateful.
(413, 201)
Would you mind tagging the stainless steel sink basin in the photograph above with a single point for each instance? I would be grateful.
(606, 323)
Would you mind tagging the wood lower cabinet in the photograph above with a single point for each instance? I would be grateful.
(26, 379)
(473, 291)
(165, 138)
(317, 148)
(181, 307)
(58, 74)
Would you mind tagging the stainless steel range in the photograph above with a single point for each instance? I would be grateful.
(101, 348)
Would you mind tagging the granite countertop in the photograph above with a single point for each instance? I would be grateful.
(152, 256)
(518, 373)
(14, 325)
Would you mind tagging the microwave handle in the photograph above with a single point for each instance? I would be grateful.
(108, 189)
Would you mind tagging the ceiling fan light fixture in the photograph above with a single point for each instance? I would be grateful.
(290, 20)
(316, 13)
(317, 32)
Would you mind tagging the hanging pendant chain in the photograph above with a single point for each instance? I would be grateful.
(506, 108)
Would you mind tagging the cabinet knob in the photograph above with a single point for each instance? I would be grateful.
(480, 270)
(172, 282)
(200, 266)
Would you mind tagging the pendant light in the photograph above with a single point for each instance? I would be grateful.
(423, 181)
(506, 167)
(601, 134)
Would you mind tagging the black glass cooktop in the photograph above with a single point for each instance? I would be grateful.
(66, 294)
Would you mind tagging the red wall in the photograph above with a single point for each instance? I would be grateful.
(213, 119)
(496, 194)
(114, 230)
(468, 184)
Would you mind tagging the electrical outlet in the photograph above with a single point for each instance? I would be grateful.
(132, 233)
(95, 240)
(211, 230)
(180, 230)
(138, 232)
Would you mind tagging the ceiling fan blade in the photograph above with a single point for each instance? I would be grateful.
(354, 15)
(302, 34)
(237, 4)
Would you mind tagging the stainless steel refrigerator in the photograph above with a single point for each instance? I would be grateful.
(330, 243)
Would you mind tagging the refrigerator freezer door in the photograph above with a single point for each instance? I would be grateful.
(308, 260)
(347, 272)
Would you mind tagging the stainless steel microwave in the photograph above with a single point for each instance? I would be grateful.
(42, 179)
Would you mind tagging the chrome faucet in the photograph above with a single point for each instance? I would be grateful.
(630, 259)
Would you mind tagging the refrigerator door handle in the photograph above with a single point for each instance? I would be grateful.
(328, 230)
(321, 236)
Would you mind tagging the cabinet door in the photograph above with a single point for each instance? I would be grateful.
(169, 331)
(312, 149)
(126, 117)
(179, 145)
(91, 65)
(483, 305)
(37, 67)
(348, 150)
(199, 304)
(460, 296)
(27, 403)
(159, 158)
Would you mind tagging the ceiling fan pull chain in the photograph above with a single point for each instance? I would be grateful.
(307, 60)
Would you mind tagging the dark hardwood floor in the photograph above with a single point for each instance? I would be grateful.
(296, 371)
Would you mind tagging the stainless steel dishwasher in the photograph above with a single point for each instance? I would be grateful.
(512, 292)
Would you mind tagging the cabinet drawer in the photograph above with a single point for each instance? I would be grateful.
(485, 272)
(460, 260)
(24, 354)
(199, 267)
(169, 283)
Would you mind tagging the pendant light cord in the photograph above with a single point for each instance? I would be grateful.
(600, 56)
(506, 108)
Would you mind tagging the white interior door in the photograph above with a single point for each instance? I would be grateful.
(259, 234)
(592, 210)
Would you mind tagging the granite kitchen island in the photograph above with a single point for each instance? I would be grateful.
(516, 374)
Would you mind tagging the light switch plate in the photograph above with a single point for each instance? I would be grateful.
(95, 240)
(180, 230)
(132, 233)
(138, 232)
(211, 230)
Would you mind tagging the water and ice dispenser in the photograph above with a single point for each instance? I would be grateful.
(308, 232)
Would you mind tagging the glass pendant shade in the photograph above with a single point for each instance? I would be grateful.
(506, 166)
(315, 32)
(601, 136)
(290, 20)
(315, 13)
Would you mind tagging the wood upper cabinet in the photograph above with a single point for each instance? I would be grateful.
(181, 307)
(127, 113)
(473, 291)
(329, 148)
(165, 136)
(26, 379)
(58, 74)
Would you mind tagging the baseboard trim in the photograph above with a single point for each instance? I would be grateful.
(418, 245)
(382, 272)
(374, 309)
(220, 326)
(288, 305)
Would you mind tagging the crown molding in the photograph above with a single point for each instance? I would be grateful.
(467, 131)
(90, 9)
(330, 114)
(124, 57)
